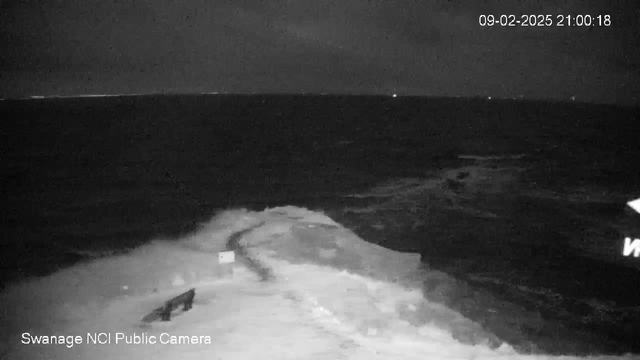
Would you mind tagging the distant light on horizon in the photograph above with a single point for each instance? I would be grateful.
(37, 97)
(566, 99)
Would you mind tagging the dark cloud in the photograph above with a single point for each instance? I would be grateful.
(422, 47)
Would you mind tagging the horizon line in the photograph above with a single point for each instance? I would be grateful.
(396, 95)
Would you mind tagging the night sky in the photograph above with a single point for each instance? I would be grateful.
(433, 48)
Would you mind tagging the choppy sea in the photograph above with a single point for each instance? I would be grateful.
(520, 205)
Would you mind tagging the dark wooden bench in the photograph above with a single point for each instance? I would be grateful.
(164, 312)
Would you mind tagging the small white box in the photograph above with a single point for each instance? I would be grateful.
(226, 257)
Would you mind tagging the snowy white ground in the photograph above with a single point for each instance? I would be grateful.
(332, 296)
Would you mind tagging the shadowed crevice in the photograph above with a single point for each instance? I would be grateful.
(254, 265)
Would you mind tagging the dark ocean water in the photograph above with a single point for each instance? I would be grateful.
(94, 175)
